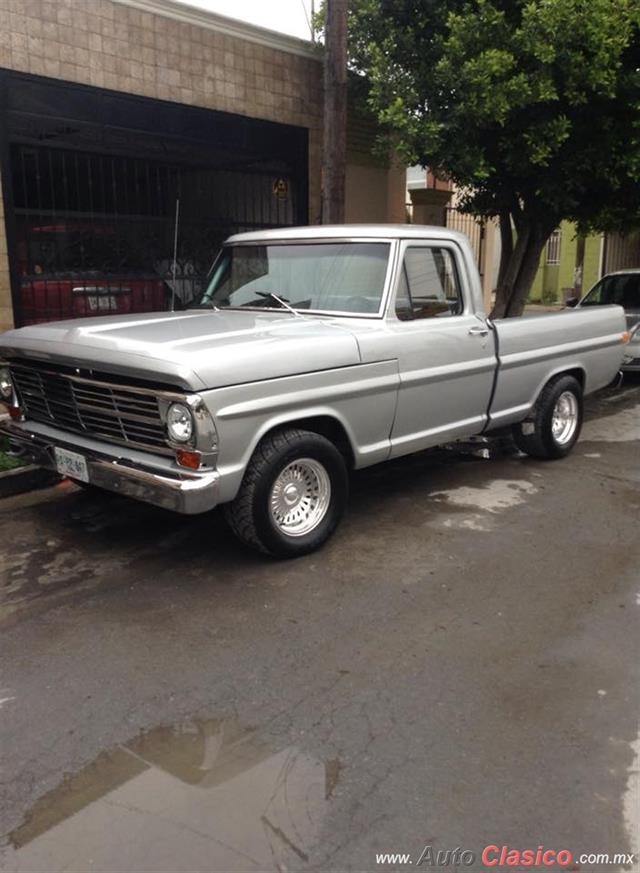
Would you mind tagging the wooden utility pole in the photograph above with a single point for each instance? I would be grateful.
(335, 113)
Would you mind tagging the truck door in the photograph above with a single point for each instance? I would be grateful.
(446, 353)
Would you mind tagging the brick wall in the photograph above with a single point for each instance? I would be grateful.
(124, 47)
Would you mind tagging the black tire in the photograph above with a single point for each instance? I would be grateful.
(249, 515)
(535, 435)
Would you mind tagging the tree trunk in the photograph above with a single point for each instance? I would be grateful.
(506, 244)
(527, 273)
(518, 264)
(335, 113)
(511, 271)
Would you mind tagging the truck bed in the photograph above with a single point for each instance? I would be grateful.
(531, 349)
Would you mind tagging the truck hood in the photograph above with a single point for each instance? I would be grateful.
(194, 350)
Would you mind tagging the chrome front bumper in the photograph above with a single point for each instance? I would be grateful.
(187, 491)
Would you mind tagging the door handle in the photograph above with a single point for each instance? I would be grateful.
(479, 330)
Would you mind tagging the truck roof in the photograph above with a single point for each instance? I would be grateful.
(350, 231)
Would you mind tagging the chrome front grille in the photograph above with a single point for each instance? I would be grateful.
(115, 413)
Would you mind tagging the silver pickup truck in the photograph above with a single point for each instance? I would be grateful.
(314, 350)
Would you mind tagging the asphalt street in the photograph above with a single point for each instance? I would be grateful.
(458, 667)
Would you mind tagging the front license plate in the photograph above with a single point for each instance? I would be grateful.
(71, 464)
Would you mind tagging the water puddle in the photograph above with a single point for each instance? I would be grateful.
(482, 502)
(200, 796)
(492, 497)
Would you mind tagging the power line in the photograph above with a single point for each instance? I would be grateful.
(309, 18)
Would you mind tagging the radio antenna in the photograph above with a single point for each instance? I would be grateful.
(175, 257)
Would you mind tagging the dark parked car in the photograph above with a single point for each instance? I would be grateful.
(622, 288)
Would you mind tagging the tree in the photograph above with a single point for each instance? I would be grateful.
(334, 153)
(532, 107)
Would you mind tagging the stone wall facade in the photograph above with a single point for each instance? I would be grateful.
(159, 49)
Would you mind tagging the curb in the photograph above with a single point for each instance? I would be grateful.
(28, 478)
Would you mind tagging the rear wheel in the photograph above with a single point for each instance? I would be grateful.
(553, 427)
(293, 494)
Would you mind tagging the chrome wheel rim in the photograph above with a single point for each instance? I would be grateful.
(300, 497)
(565, 418)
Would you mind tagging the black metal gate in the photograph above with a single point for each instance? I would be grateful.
(93, 208)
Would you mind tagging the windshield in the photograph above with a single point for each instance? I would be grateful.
(623, 290)
(346, 277)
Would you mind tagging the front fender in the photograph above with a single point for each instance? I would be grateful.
(361, 399)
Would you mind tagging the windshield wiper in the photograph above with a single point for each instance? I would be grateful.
(281, 300)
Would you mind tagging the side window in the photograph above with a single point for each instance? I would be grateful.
(428, 285)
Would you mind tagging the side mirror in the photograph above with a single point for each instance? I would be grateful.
(571, 302)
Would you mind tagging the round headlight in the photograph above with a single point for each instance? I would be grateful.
(6, 385)
(179, 423)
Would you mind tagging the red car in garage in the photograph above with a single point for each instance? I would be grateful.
(74, 270)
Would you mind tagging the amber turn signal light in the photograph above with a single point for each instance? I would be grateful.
(15, 412)
(188, 459)
(626, 337)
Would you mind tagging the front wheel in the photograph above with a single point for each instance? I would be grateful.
(553, 427)
(293, 494)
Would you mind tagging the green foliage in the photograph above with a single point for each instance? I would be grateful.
(532, 106)
(7, 462)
